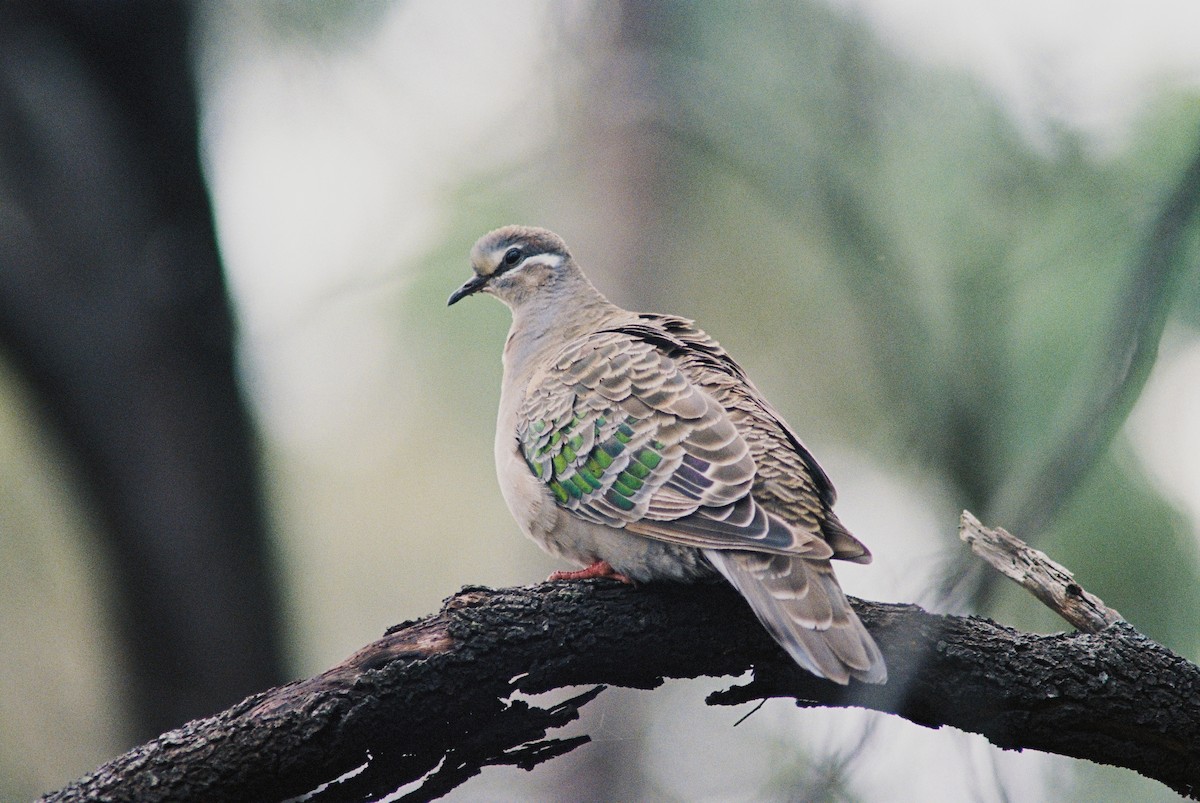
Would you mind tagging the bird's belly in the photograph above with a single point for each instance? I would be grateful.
(635, 556)
(565, 535)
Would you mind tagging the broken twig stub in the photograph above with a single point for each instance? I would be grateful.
(1050, 582)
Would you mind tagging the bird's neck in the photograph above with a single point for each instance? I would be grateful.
(544, 324)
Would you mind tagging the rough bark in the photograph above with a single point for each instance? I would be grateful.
(433, 702)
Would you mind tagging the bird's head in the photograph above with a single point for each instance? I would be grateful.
(517, 263)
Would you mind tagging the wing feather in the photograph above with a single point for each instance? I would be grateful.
(621, 436)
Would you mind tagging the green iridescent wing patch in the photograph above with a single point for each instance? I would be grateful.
(619, 436)
(593, 461)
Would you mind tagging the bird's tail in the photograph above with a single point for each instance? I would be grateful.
(801, 604)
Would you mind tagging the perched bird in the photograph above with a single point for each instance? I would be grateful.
(633, 445)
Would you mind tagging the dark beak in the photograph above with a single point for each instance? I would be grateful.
(472, 285)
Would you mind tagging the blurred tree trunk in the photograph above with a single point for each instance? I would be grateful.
(113, 306)
(628, 172)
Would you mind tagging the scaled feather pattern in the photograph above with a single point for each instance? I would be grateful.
(635, 439)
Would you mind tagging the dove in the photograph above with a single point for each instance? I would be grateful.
(631, 444)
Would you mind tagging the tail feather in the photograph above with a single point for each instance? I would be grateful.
(802, 606)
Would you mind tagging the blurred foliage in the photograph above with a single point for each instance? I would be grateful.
(322, 24)
(986, 277)
(1188, 303)
(1125, 544)
(61, 689)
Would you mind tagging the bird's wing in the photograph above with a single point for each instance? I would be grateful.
(627, 428)
(789, 481)
(621, 436)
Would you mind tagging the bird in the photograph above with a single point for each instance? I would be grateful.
(631, 444)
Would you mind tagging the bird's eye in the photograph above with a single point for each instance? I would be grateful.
(512, 256)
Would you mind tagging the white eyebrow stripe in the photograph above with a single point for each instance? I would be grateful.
(549, 260)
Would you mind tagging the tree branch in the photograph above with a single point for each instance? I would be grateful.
(1034, 571)
(432, 702)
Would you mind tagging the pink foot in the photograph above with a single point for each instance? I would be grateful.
(598, 569)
